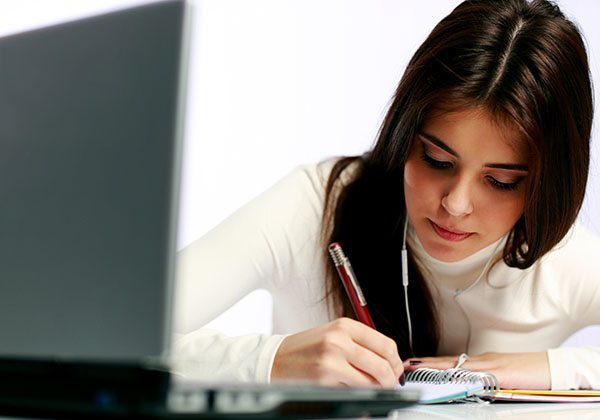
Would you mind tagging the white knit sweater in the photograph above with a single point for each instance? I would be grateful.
(273, 243)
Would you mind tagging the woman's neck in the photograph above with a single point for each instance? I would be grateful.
(457, 275)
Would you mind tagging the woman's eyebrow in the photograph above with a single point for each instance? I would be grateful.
(510, 166)
(439, 143)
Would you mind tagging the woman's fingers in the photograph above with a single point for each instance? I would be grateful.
(480, 362)
(442, 362)
(333, 369)
(341, 352)
(372, 364)
(350, 376)
(376, 342)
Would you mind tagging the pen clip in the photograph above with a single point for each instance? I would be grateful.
(357, 289)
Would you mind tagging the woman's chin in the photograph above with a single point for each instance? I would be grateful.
(448, 253)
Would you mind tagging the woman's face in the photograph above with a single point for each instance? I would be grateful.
(464, 182)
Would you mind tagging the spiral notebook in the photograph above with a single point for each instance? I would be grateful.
(450, 385)
(456, 385)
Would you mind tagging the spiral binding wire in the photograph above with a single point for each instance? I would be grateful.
(453, 376)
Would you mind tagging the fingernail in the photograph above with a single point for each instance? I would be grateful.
(415, 362)
(402, 379)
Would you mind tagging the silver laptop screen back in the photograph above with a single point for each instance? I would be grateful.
(89, 124)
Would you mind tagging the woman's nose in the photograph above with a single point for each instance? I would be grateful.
(458, 201)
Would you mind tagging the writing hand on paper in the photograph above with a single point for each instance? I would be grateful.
(513, 370)
(343, 352)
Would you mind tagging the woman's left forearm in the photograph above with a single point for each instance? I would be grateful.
(513, 370)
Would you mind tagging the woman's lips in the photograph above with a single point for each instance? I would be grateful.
(449, 235)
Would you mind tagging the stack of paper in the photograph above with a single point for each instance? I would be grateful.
(545, 396)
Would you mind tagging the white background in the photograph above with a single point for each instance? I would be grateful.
(277, 83)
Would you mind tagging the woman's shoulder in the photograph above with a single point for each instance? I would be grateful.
(578, 250)
(316, 175)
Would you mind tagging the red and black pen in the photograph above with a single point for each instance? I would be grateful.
(357, 299)
(344, 269)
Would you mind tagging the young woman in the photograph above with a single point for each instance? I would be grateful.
(479, 170)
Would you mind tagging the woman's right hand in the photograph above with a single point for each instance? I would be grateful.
(343, 352)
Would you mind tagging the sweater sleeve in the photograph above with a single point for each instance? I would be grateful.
(208, 355)
(579, 293)
(252, 249)
(575, 368)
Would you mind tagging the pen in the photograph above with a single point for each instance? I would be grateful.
(355, 294)
(357, 299)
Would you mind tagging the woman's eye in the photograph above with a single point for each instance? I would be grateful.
(434, 163)
(502, 185)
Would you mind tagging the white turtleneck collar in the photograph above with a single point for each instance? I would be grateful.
(457, 275)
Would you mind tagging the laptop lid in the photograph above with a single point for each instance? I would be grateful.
(90, 137)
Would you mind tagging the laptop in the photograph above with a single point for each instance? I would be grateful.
(90, 137)
(91, 127)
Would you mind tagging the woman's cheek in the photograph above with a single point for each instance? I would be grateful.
(419, 177)
(417, 188)
(411, 174)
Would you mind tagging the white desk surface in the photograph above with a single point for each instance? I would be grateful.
(498, 410)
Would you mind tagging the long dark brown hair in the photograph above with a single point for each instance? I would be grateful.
(526, 64)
